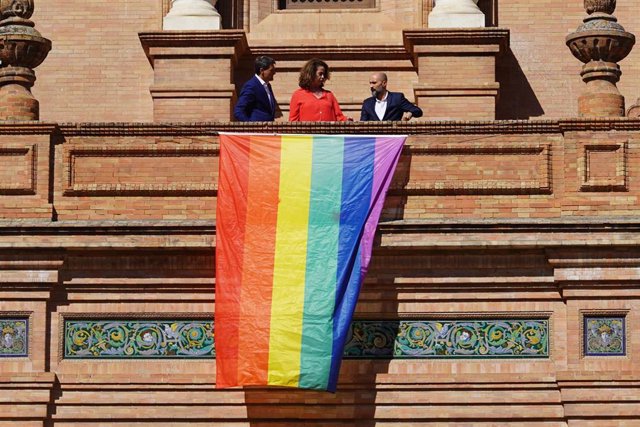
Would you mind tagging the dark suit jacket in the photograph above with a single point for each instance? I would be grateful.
(253, 103)
(397, 104)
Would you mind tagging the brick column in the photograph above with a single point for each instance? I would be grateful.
(456, 71)
(600, 43)
(193, 73)
(22, 48)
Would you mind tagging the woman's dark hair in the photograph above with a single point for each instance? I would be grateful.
(262, 63)
(308, 72)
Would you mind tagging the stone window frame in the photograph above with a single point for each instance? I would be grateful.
(624, 313)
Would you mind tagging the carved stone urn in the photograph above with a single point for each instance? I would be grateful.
(22, 48)
(600, 42)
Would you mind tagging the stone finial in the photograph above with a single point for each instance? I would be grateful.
(189, 15)
(16, 8)
(456, 14)
(22, 49)
(600, 42)
(602, 6)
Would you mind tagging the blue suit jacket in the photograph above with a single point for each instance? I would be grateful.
(253, 103)
(397, 105)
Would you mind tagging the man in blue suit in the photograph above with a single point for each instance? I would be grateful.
(385, 105)
(256, 102)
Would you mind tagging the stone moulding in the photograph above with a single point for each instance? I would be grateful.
(27, 156)
(446, 158)
(444, 127)
(617, 174)
(76, 154)
(234, 39)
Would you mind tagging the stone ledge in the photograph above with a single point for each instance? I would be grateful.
(27, 128)
(445, 127)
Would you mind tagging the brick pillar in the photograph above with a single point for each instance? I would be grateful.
(456, 71)
(600, 42)
(22, 49)
(193, 73)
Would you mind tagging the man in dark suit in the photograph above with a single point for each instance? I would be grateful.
(385, 105)
(256, 102)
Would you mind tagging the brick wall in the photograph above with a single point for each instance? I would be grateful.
(97, 70)
(485, 220)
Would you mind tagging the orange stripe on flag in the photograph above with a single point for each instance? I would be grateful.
(259, 253)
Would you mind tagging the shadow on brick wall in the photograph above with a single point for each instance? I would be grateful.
(396, 200)
(517, 99)
(354, 404)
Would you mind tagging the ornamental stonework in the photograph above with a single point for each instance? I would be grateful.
(604, 336)
(489, 338)
(14, 340)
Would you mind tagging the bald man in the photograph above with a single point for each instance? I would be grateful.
(384, 105)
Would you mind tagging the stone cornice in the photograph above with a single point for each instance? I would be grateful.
(27, 128)
(496, 234)
(451, 36)
(353, 128)
(595, 124)
(349, 52)
(573, 224)
(594, 232)
(189, 38)
(11, 227)
(193, 43)
(123, 235)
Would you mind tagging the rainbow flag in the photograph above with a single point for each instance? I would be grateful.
(296, 218)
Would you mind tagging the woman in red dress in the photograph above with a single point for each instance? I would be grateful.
(312, 103)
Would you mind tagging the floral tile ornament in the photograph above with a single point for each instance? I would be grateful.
(113, 339)
(604, 336)
(14, 339)
(366, 339)
(484, 338)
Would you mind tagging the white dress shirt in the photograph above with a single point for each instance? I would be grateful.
(381, 106)
(265, 85)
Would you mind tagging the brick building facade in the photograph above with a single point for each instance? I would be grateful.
(504, 281)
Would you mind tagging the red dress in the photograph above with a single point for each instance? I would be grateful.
(305, 107)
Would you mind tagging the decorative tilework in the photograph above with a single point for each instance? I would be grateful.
(449, 339)
(604, 336)
(370, 339)
(14, 341)
(104, 339)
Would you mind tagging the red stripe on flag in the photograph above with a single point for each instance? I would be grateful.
(231, 212)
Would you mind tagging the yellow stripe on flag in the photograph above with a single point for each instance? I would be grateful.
(285, 343)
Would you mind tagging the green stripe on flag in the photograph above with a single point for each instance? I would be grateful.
(322, 261)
